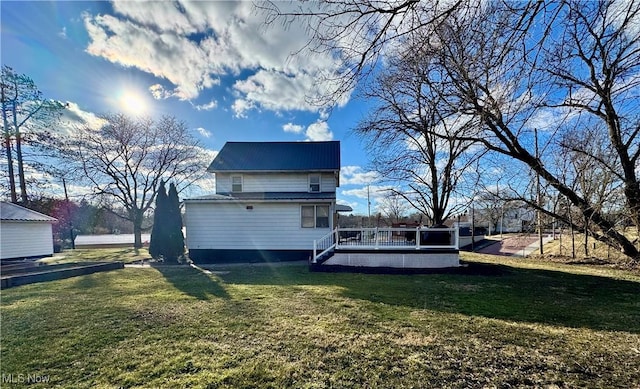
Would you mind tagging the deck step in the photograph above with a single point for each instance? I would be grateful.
(324, 257)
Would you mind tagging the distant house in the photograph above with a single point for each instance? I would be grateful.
(272, 200)
(24, 233)
(514, 218)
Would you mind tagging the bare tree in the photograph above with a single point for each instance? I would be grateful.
(597, 63)
(393, 207)
(592, 164)
(591, 73)
(489, 209)
(513, 67)
(126, 159)
(415, 138)
(23, 106)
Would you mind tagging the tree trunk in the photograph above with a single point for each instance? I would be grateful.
(573, 236)
(7, 144)
(137, 228)
(23, 184)
(586, 238)
(12, 179)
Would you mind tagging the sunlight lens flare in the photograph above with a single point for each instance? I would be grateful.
(132, 103)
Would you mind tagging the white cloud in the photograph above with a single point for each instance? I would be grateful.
(373, 192)
(294, 128)
(206, 107)
(204, 132)
(169, 56)
(354, 175)
(159, 93)
(73, 116)
(191, 44)
(63, 33)
(241, 106)
(276, 91)
(319, 131)
(548, 119)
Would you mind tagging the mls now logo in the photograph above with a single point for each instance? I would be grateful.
(24, 378)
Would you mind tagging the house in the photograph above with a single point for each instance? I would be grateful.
(24, 233)
(515, 217)
(276, 201)
(271, 201)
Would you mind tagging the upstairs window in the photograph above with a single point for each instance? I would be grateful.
(236, 183)
(314, 183)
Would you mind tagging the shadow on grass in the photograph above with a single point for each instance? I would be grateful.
(194, 282)
(481, 289)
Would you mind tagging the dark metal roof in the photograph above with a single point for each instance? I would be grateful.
(277, 156)
(343, 208)
(268, 196)
(13, 212)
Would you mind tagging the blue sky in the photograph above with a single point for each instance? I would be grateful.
(214, 65)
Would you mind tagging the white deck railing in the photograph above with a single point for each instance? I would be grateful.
(420, 238)
(324, 245)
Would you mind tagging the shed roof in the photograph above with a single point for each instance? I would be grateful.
(14, 212)
(277, 156)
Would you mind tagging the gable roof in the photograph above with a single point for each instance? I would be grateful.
(13, 212)
(277, 156)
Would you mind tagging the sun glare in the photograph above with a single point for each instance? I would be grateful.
(132, 103)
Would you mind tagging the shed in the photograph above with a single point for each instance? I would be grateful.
(24, 233)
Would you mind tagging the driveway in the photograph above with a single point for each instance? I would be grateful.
(521, 245)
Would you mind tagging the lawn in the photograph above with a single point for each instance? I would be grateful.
(500, 323)
(124, 254)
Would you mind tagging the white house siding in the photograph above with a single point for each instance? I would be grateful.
(231, 226)
(24, 239)
(274, 182)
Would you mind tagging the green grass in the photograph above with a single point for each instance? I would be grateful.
(501, 323)
(125, 255)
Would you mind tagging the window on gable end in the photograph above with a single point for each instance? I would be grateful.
(236, 183)
(314, 183)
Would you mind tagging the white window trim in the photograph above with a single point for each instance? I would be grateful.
(319, 183)
(241, 183)
(315, 215)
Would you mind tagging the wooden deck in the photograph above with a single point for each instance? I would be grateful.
(414, 248)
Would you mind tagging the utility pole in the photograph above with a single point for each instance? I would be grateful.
(473, 229)
(369, 205)
(538, 197)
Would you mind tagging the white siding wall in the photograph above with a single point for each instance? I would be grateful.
(20, 239)
(268, 226)
(274, 182)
